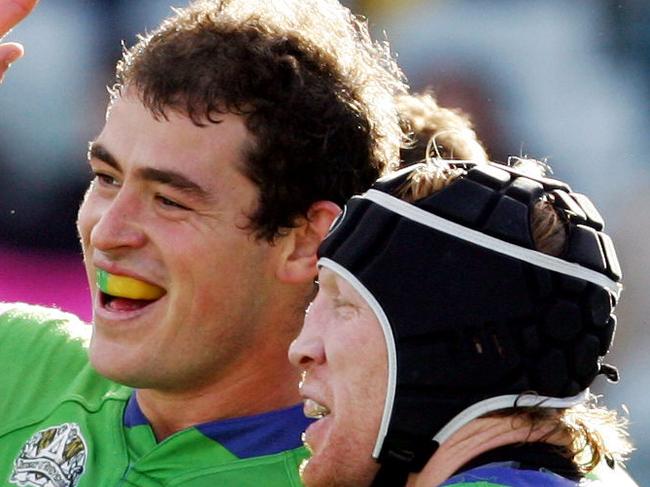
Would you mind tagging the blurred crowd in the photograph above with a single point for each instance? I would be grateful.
(567, 82)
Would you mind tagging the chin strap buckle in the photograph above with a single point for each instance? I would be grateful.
(610, 372)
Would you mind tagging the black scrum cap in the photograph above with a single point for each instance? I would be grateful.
(473, 316)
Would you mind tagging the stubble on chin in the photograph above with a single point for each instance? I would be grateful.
(318, 476)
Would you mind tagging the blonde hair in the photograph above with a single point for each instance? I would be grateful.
(597, 434)
(436, 131)
(587, 433)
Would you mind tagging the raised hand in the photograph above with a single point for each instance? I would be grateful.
(11, 13)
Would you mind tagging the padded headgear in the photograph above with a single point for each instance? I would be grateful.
(474, 317)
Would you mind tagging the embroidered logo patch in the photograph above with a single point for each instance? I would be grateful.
(54, 457)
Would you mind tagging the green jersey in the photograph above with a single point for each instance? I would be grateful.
(64, 425)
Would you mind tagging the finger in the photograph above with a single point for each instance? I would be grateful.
(9, 53)
(12, 12)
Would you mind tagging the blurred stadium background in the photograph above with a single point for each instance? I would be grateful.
(565, 81)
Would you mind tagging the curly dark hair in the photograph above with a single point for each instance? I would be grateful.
(317, 95)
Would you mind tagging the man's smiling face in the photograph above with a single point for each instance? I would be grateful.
(169, 206)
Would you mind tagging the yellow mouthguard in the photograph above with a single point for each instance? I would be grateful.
(126, 287)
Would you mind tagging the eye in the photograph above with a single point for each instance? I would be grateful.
(344, 308)
(105, 179)
(341, 303)
(169, 203)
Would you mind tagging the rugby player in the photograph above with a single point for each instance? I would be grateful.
(464, 310)
(234, 133)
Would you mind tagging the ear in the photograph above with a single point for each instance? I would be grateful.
(298, 264)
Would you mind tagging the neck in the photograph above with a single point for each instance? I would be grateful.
(475, 438)
(258, 380)
(263, 382)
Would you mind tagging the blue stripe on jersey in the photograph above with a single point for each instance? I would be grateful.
(507, 474)
(133, 415)
(262, 434)
(248, 436)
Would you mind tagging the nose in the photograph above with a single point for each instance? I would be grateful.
(118, 224)
(307, 349)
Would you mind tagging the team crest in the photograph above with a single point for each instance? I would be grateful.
(54, 457)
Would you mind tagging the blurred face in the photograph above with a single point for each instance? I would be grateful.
(168, 206)
(342, 353)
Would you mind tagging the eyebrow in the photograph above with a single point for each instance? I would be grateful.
(98, 151)
(167, 177)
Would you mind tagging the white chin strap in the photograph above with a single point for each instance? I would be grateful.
(391, 352)
(504, 402)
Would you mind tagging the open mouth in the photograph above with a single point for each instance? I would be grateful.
(315, 410)
(122, 293)
(116, 303)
